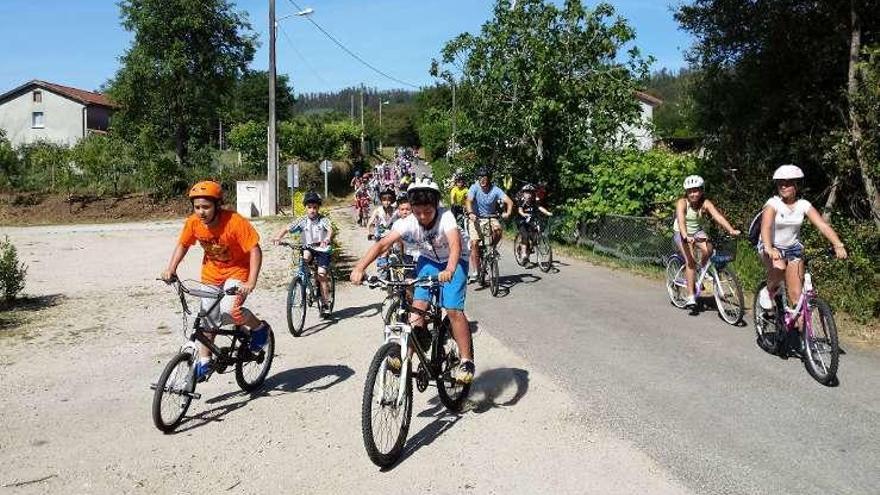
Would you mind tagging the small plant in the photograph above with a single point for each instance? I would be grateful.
(12, 271)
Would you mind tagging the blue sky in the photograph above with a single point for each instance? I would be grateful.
(78, 42)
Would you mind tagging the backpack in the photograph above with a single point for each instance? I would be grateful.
(755, 228)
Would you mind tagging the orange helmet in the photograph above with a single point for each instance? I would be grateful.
(206, 189)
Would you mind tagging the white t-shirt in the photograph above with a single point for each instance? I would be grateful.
(431, 244)
(788, 220)
(314, 231)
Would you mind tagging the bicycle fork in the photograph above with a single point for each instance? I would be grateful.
(400, 333)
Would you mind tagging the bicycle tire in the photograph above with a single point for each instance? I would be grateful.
(493, 277)
(183, 401)
(517, 254)
(451, 393)
(296, 306)
(765, 328)
(737, 310)
(389, 309)
(674, 277)
(481, 274)
(544, 252)
(380, 456)
(332, 301)
(822, 371)
(263, 364)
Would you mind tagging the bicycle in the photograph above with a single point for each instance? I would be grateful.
(304, 292)
(537, 241)
(726, 287)
(387, 398)
(489, 256)
(820, 349)
(394, 269)
(175, 389)
(361, 206)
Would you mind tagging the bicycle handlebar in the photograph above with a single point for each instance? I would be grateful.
(373, 282)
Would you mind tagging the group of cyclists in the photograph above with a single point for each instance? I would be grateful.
(442, 241)
(395, 175)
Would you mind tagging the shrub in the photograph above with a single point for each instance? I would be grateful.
(12, 271)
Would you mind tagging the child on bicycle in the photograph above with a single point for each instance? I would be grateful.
(441, 253)
(458, 196)
(232, 259)
(780, 245)
(317, 239)
(382, 216)
(690, 236)
(527, 207)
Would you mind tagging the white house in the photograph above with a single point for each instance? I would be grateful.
(642, 133)
(42, 111)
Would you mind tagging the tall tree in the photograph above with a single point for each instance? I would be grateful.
(249, 99)
(541, 83)
(183, 62)
(773, 86)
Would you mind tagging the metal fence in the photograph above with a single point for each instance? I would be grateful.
(638, 239)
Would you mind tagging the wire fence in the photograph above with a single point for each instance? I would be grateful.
(637, 239)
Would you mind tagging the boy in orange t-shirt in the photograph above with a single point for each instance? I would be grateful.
(232, 259)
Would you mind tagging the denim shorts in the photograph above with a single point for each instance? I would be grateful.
(697, 235)
(789, 254)
(452, 293)
(322, 258)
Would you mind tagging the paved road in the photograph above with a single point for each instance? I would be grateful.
(697, 395)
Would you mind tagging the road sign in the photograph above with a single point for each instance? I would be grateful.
(326, 166)
(293, 175)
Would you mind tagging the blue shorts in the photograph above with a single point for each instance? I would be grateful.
(322, 258)
(789, 254)
(452, 293)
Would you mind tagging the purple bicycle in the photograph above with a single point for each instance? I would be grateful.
(816, 344)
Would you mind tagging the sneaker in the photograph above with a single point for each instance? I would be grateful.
(472, 278)
(690, 302)
(465, 372)
(764, 299)
(259, 337)
(202, 370)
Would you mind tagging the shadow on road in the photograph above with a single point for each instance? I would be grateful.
(308, 379)
(494, 388)
(359, 311)
(507, 282)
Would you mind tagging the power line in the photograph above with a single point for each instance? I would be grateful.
(351, 53)
(303, 58)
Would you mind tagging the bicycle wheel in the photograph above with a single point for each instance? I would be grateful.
(169, 401)
(545, 253)
(251, 370)
(384, 423)
(729, 296)
(821, 350)
(296, 306)
(332, 291)
(765, 324)
(676, 285)
(452, 393)
(389, 309)
(493, 276)
(483, 268)
(517, 254)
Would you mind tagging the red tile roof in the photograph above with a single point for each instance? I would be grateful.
(78, 95)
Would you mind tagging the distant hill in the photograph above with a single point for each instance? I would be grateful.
(341, 101)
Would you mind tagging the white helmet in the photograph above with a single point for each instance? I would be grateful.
(423, 184)
(788, 172)
(693, 181)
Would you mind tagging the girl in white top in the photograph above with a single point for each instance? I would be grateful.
(690, 213)
(781, 221)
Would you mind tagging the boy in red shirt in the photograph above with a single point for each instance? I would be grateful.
(232, 259)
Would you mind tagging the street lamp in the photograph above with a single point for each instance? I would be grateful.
(272, 145)
(381, 104)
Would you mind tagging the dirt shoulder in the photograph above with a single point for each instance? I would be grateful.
(76, 400)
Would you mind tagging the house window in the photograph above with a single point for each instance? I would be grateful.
(37, 120)
(38, 96)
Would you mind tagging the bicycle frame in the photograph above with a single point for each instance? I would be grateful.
(708, 269)
(401, 332)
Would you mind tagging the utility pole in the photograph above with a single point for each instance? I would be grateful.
(270, 151)
(363, 146)
(351, 112)
(381, 104)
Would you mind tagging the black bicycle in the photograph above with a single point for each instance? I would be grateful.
(386, 409)
(537, 242)
(487, 272)
(304, 291)
(176, 387)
